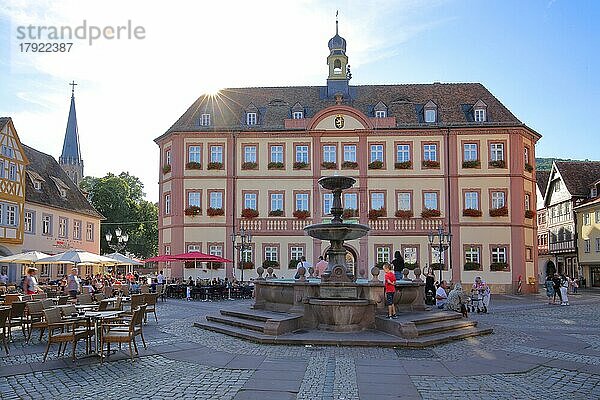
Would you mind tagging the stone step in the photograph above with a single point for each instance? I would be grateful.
(235, 331)
(436, 317)
(250, 324)
(448, 336)
(257, 315)
(444, 326)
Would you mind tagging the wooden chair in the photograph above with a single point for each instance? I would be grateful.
(99, 297)
(18, 317)
(162, 292)
(84, 299)
(85, 290)
(47, 303)
(37, 320)
(4, 325)
(11, 298)
(125, 290)
(150, 299)
(145, 289)
(62, 300)
(120, 333)
(107, 291)
(39, 296)
(59, 332)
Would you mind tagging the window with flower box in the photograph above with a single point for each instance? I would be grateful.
(403, 156)
(194, 157)
(470, 155)
(329, 156)
(327, 203)
(276, 204)
(376, 152)
(250, 201)
(350, 201)
(383, 254)
(497, 159)
(498, 200)
(377, 200)
(302, 202)
(216, 200)
(472, 258)
(471, 202)
(499, 258)
(301, 156)
(216, 154)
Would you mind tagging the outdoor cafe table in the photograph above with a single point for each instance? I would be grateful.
(97, 317)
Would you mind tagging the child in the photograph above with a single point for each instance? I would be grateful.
(390, 289)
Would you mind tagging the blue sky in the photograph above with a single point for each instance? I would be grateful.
(540, 58)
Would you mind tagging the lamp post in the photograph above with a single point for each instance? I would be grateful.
(444, 239)
(121, 241)
(241, 241)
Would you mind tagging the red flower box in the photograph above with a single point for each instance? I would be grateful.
(249, 213)
(328, 165)
(404, 214)
(471, 164)
(529, 214)
(215, 165)
(470, 212)
(193, 165)
(349, 165)
(375, 214)
(249, 165)
(499, 212)
(429, 213)
(301, 214)
(192, 211)
(349, 213)
(300, 165)
(275, 165)
(403, 165)
(276, 213)
(498, 164)
(166, 168)
(431, 164)
(214, 212)
(376, 164)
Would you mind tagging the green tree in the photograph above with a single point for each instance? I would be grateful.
(120, 198)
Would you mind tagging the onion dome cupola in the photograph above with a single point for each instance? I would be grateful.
(337, 61)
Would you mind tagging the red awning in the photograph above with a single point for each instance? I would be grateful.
(163, 258)
(198, 257)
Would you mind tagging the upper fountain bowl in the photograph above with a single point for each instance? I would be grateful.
(329, 231)
(336, 182)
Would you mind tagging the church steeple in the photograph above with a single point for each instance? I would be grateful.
(70, 159)
(339, 70)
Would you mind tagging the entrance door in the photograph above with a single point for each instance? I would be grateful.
(595, 275)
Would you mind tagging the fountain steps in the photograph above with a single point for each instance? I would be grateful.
(420, 330)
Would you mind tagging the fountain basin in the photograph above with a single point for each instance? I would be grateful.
(336, 182)
(333, 231)
(342, 315)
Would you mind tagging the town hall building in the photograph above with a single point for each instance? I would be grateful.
(423, 155)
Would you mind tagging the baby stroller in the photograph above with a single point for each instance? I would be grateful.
(477, 301)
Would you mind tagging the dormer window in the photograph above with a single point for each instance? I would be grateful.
(61, 186)
(380, 114)
(63, 192)
(430, 112)
(430, 115)
(480, 111)
(251, 118)
(37, 185)
(479, 115)
(297, 115)
(36, 179)
(594, 192)
(205, 120)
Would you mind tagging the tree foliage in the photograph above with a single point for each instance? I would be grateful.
(120, 198)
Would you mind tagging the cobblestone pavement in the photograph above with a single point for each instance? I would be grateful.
(536, 349)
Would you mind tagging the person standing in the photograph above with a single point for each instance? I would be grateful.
(73, 283)
(320, 266)
(30, 285)
(4, 277)
(160, 278)
(302, 263)
(550, 289)
(556, 281)
(564, 285)
(398, 263)
(390, 290)
(441, 297)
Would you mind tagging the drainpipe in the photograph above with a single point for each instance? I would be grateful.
(449, 208)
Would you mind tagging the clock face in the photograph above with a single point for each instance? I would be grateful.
(339, 121)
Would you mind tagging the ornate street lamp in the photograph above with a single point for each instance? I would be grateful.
(444, 239)
(241, 241)
(121, 241)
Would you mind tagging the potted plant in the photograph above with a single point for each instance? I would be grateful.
(249, 165)
(529, 214)
(246, 265)
(349, 165)
(328, 165)
(349, 213)
(270, 263)
(471, 164)
(528, 167)
(249, 213)
(499, 266)
(411, 266)
(193, 211)
(214, 165)
(497, 164)
(471, 212)
(403, 165)
(404, 214)
(301, 214)
(193, 165)
(499, 212)
(472, 266)
(214, 212)
(275, 165)
(430, 213)
(300, 165)
(375, 214)
(293, 263)
(431, 164)
(376, 164)
(166, 168)
(276, 213)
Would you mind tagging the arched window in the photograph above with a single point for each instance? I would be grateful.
(337, 66)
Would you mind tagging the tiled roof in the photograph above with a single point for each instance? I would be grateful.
(579, 175)
(4, 121)
(46, 167)
(405, 102)
(541, 178)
